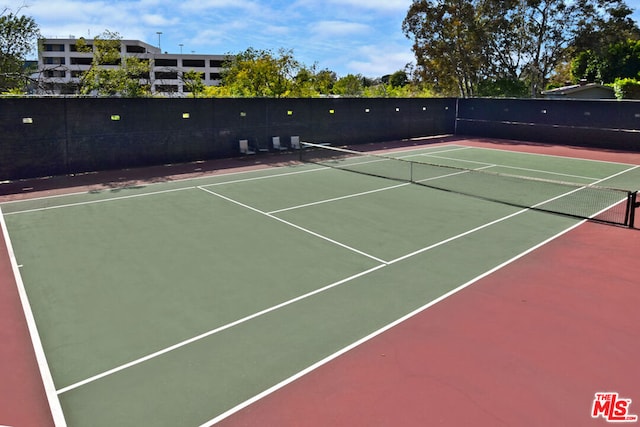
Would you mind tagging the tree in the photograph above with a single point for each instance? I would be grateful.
(398, 79)
(193, 83)
(263, 73)
(621, 60)
(607, 47)
(462, 44)
(111, 73)
(627, 88)
(603, 26)
(324, 81)
(349, 85)
(447, 43)
(17, 38)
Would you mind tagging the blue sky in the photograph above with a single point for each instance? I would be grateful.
(346, 36)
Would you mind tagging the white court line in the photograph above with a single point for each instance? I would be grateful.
(313, 233)
(411, 314)
(214, 331)
(260, 178)
(253, 316)
(117, 198)
(335, 199)
(512, 167)
(150, 184)
(152, 193)
(268, 310)
(554, 156)
(421, 151)
(383, 263)
(364, 193)
(93, 202)
(374, 334)
(67, 205)
(45, 373)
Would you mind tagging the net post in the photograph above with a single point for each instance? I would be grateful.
(632, 204)
(411, 172)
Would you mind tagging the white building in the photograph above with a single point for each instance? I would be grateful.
(60, 66)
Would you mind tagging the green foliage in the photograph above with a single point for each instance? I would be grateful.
(627, 88)
(619, 60)
(193, 82)
(503, 88)
(447, 43)
(396, 85)
(264, 73)
(467, 48)
(216, 92)
(13, 92)
(585, 65)
(111, 74)
(259, 73)
(383, 90)
(350, 85)
(17, 36)
(398, 79)
(603, 30)
(324, 81)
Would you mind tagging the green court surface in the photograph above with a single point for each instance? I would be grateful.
(175, 303)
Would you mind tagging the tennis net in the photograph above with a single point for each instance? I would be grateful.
(609, 205)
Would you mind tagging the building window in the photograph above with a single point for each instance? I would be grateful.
(166, 75)
(55, 73)
(53, 61)
(214, 76)
(76, 74)
(135, 49)
(48, 47)
(167, 88)
(163, 62)
(216, 63)
(81, 61)
(193, 62)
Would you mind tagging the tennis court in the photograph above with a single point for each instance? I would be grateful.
(180, 302)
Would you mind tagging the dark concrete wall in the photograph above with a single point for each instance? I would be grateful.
(595, 123)
(72, 135)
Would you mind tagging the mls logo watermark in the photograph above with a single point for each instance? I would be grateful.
(612, 408)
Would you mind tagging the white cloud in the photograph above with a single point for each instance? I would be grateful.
(378, 60)
(380, 5)
(277, 30)
(201, 5)
(337, 28)
(158, 20)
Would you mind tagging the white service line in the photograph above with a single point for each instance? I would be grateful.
(214, 331)
(313, 233)
(511, 167)
(422, 151)
(553, 155)
(374, 334)
(335, 199)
